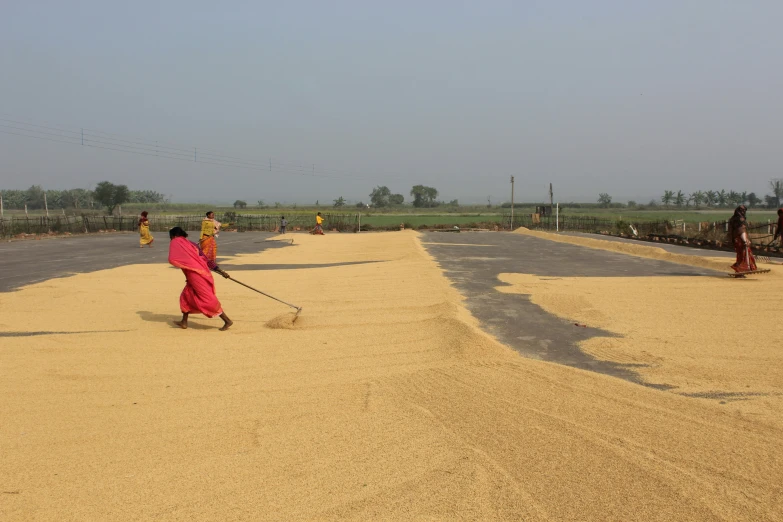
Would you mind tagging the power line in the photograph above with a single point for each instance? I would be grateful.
(138, 145)
(152, 153)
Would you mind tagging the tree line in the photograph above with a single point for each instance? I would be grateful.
(382, 196)
(105, 195)
(711, 198)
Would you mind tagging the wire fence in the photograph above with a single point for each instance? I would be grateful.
(704, 234)
(49, 225)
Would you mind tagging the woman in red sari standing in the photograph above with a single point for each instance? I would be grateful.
(779, 227)
(739, 235)
(198, 296)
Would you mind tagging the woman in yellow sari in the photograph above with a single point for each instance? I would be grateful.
(209, 230)
(145, 238)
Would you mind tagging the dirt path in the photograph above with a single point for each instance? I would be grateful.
(386, 402)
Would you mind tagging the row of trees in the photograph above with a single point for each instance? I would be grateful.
(712, 198)
(78, 198)
(423, 197)
(722, 198)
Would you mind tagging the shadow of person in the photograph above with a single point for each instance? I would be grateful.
(46, 332)
(169, 320)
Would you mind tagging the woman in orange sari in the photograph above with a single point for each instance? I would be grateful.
(207, 243)
(145, 238)
(739, 235)
(198, 296)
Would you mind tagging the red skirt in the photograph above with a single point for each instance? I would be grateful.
(745, 260)
(198, 296)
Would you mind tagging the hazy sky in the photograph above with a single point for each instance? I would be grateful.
(624, 97)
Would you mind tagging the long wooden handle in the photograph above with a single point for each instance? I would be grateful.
(265, 294)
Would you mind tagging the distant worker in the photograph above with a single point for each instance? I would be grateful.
(738, 227)
(319, 229)
(145, 238)
(779, 227)
(210, 228)
(283, 224)
(198, 296)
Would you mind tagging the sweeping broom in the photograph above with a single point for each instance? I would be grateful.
(297, 308)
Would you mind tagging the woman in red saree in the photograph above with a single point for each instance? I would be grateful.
(739, 234)
(779, 227)
(198, 296)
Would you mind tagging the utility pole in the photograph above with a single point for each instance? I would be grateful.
(1, 203)
(512, 203)
(46, 205)
(551, 196)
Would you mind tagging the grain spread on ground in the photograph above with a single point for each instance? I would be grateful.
(386, 401)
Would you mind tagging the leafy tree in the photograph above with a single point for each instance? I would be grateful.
(453, 203)
(710, 198)
(679, 199)
(771, 201)
(146, 196)
(667, 197)
(110, 195)
(34, 197)
(754, 200)
(424, 196)
(776, 186)
(379, 197)
(604, 199)
(54, 198)
(260, 203)
(240, 204)
(339, 202)
(631, 204)
(360, 204)
(14, 198)
(697, 198)
(396, 199)
(723, 198)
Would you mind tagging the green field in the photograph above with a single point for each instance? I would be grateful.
(689, 216)
(415, 221)
(416, 217)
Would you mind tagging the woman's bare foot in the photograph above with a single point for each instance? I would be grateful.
(184, 322)
(226, 325)
(226, 322)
